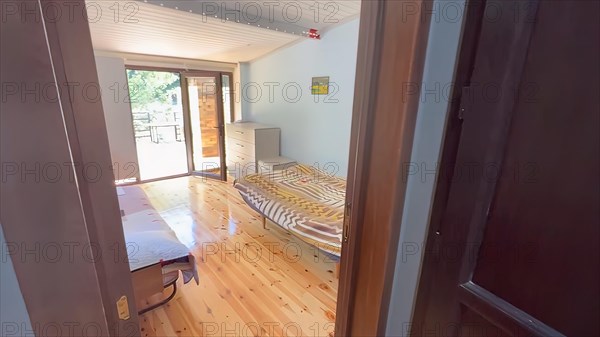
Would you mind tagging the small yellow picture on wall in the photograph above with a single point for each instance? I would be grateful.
(320, 85)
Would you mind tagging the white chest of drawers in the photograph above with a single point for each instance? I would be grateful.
(247, 143)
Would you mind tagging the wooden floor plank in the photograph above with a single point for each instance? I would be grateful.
(253, 281)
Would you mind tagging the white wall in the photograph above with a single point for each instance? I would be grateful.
(311, 132)
(14, 319)
(117, 114)
(237, 101)
(441, 57)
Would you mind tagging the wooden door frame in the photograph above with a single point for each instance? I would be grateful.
(384, 113)
(465, 63)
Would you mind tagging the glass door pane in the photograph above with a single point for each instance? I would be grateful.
(157, 110)
(227, 101)
(206, 115)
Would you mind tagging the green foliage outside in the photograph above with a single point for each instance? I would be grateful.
(155, 98)
(151, 89)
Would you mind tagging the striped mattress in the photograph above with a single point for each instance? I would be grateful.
(302, 199)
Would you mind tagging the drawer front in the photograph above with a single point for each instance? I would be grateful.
(240, 133)
(240, 146)
(240, 164)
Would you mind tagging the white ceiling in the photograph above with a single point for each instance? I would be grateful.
(303, 13)
(144, 28)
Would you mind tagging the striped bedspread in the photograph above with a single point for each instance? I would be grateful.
(304, 200)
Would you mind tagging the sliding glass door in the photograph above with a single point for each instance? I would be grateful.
(205, 97)
(179, 121)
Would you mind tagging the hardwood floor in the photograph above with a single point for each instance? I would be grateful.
(253, 281)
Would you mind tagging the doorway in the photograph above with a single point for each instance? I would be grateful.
(179, 120)
(355, 240)
(158, 123)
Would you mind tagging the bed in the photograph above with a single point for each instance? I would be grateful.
(156, 256)
(304, 200)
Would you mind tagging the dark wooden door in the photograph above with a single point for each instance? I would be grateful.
(516, 252)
